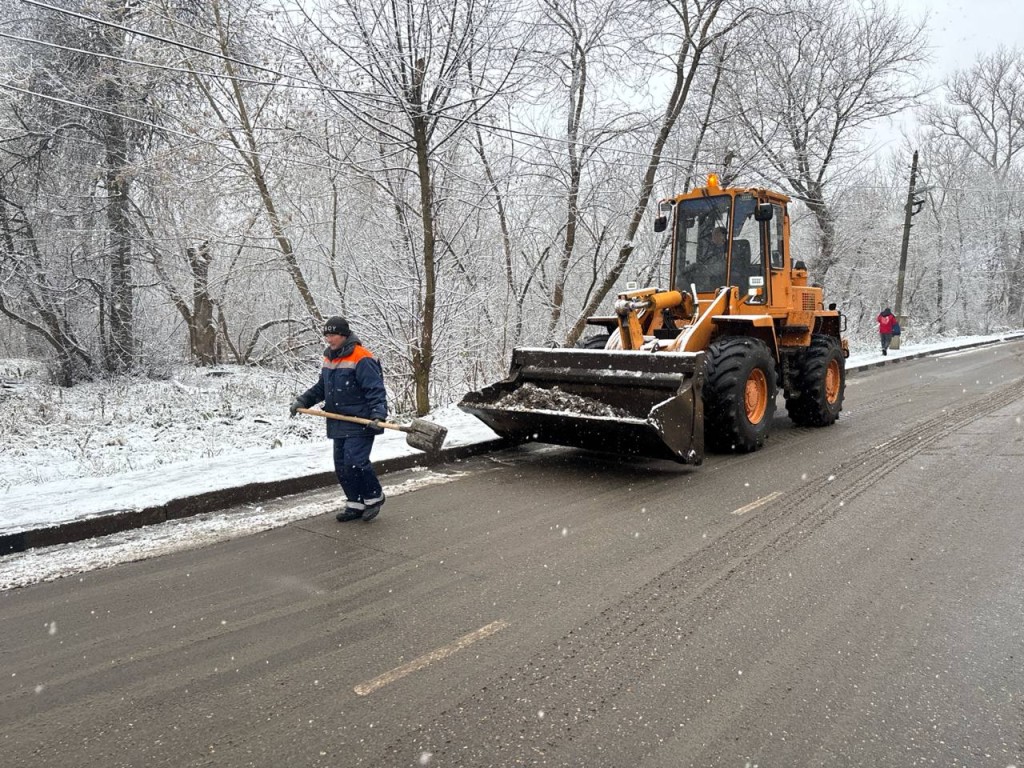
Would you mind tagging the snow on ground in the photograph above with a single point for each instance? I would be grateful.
(74, 453)
(132, 443)
(100, 429)
(49, 563)
(28, 507)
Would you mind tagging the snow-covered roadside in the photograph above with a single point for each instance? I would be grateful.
(28, 507)
(127, 425)
(52, 503)
(106, 428)
(177, 464)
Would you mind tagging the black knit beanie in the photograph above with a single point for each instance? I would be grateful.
(337, 324)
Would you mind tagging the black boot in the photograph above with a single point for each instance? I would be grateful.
(372, 510)
(348, 514)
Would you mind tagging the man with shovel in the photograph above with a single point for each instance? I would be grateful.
(351, 383)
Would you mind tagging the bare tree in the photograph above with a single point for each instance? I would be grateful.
(400, 75)
(984, 110)
(816, 74)
(80, 101)
(983, 115)
(693, 27)
(239, 113)
(582, 44)
(118, 137)
(42, 299)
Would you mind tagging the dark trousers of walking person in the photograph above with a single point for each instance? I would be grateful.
(355, 472)
(886, 340)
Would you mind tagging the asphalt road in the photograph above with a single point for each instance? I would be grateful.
(849, 596)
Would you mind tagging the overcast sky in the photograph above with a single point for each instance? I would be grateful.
(959, 30)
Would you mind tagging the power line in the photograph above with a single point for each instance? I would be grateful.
(165, 67)
(150, 35)
(302, 83)
(298, 83)
(493, 130)
(197, 139)
(309, 84)
(165, 129)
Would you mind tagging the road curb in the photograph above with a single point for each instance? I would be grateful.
(933, 352)
(117, 521)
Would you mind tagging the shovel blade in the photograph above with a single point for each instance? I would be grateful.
(425, 435)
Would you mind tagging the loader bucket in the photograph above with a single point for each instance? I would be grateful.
(623, 402)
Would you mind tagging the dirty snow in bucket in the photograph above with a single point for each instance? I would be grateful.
(530, 397)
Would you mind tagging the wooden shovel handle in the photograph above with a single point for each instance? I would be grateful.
(353, 419)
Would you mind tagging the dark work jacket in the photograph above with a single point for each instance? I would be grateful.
(351, 383)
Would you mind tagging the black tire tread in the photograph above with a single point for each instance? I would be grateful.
(596, 341)
(729, 362)
(806, 403)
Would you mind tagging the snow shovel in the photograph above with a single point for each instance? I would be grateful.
(421, 434)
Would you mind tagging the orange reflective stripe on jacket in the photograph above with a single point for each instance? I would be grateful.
(350, 361)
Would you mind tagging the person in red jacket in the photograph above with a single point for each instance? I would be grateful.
(886, 321)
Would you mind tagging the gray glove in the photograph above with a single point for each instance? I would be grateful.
(294, 407)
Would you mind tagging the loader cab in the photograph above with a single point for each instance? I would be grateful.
(718, 243)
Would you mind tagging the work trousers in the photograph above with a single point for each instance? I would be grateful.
(355, 472)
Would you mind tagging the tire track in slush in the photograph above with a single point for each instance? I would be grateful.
(543, 702)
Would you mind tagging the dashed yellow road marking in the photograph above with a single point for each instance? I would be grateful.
(757, 503)
(365, 689)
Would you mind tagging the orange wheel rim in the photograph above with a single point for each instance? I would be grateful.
(832, 379)
(755, 396)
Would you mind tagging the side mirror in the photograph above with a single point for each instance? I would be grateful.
(660, 224)
(764, 212)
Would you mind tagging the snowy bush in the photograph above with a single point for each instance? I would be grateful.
(107, 427)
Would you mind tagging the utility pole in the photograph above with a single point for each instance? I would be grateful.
(912, 207)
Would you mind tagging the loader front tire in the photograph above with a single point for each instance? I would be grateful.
(739, 394)
(819, 383)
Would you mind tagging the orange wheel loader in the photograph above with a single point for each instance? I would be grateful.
(698, 364)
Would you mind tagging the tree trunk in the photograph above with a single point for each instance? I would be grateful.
(826, 238)
(202, 328)
(577, 95)
(423, 356)
(119, 244)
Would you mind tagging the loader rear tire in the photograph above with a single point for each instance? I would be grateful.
(739, 394)
(819, 383)
(593, 342)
